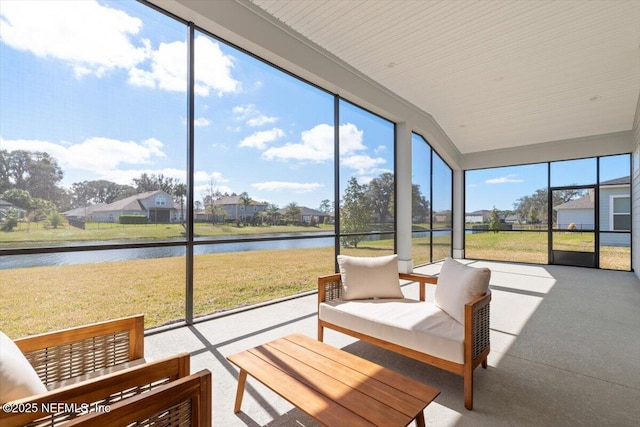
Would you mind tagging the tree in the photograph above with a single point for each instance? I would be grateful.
(420, 206)
(87, 193)
(35, 172)
(273, 213)
(325, 206)
(10, 220)
(154, 182)
(355, 212)
(55, 219)
(180, 192)
(533, 208)
(380, 194)
(210, 196)
(19, 198)
(494, 220)
(245, 201)
(292, 210)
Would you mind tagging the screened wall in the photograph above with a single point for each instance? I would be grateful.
(572, 212)
(148, 166)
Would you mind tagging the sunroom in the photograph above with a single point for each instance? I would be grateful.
(393, 122)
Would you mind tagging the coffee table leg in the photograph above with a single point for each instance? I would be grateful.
(420, 419)
(242, 379)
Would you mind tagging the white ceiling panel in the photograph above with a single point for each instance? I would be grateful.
(493, 74)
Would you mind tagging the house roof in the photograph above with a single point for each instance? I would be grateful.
(234, 200)
(5, 204)
(85, 210)
(583, 202)
(618, 181)
(134, 203)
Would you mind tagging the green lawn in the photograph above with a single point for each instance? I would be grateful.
(39, 299)
(35, 234)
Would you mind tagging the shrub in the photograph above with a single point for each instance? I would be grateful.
(133, 219)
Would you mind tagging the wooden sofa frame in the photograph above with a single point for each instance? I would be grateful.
(184, 402)
(98, 392)
(76, 353)
(94, 365)
(476, 330)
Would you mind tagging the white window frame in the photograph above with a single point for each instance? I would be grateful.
(612, 213)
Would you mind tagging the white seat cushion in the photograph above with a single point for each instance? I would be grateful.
(417, 325)
(369, 277)
(18, 379)
(459, 284)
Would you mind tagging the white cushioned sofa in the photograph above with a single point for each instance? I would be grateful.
(365, 301)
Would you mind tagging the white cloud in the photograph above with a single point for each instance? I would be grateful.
(168, 69)
(296, 187)
(318, 144)
(249, 114)
(213, 69)
(363, 164)
(95, 39)
(91, 38)
(508, 179)
(201, 122)
(260, 139)
(209, 177)
(96, 154)
(261, 120)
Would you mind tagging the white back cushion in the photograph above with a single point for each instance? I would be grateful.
(459, 284)
(369, 277)
(18, 379)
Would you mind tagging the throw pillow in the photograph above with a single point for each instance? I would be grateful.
(369, 277)
(459, 284)
(18, 379)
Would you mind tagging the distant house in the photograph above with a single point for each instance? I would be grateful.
(5, 206)
(83, 213)
(309, 216)
(442, 216)
(158, 206)
(615, 212)
(232, 208)
(477, 217)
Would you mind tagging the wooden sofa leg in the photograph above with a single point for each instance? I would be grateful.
(320, 333)
(468, 389)
(484, 363)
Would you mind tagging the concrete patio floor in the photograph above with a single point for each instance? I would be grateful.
(565, 352)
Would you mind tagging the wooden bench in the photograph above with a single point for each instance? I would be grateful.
(332, 386)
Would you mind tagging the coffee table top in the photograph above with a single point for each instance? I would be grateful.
(333, 386)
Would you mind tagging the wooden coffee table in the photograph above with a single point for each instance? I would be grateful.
(334, 387)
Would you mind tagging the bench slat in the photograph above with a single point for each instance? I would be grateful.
(348, 373)
(318, 406)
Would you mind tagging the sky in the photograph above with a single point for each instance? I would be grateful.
(101, 87)
(502, 187)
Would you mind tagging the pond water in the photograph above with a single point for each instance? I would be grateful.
(114, 255)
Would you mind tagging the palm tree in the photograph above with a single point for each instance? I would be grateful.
(292, 210)
(245, 200)
(272, 211)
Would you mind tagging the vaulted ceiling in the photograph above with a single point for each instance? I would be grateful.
(493, 74)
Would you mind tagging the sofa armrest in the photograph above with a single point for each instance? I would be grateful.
(103, 390)
(60, 355)
(422, 280)
(186, 402)
(476, 328)
(329, 287)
